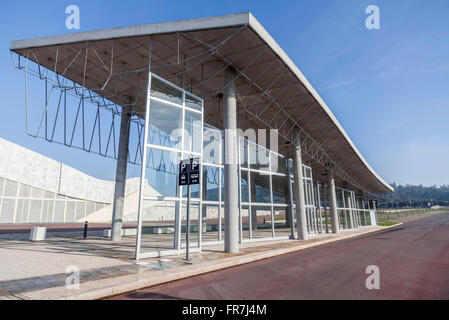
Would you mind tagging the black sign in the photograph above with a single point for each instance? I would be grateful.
(184, 168)
(189, 172)
(194, 171)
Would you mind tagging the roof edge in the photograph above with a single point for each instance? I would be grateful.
(230, 20)
(265, 36)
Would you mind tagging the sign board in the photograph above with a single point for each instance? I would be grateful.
(189, 172)
(194, 176)
(184, 168)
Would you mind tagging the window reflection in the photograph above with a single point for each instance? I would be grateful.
(163, 90)
(192, 102)
(211, 145)
(192, 135)
(164, 125)
(260, 188)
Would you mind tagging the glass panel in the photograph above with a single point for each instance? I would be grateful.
(162, 173)
(222, 184)
(210, 222)
(243, 145)
(324, 196)
(306, 171)
(210, 183)
(194, 214)
(259, 157)
(260, 188)
(280, 189)
(290, 165)
(342, 219)
(281, 222)
(339, 193)
(165, 91)
(245, 222)
(192, 133)
(261, 221)
(368, 218)
(193, 103)
(211, 145)
(194, 191)
(222, 148)
(311, 220)
(319, 212)
(308, 193)
(158, 220)
(165, 125)
(244, 186)
(278, 164)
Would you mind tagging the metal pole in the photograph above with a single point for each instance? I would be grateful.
(188, 223)
(85, 229)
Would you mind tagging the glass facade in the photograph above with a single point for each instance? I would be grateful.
(176, 131)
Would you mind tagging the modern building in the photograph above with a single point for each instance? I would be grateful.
(178, 90)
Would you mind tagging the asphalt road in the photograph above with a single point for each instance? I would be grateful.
(413, 260)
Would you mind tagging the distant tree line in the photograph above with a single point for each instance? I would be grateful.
(410, 195)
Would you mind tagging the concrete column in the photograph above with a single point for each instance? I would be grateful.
(351, 212)
(289, 216)
(299, 195)
(333, 202)
(318, 205)
(231, 183)
(120, 177)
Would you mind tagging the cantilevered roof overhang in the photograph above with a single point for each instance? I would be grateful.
(272, 91)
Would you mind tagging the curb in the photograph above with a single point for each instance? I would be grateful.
(140, 281)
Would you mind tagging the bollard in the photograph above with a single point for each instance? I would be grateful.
(85, 229)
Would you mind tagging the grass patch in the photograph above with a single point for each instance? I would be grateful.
(387, 223)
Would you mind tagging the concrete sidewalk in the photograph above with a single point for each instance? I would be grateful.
(38, 270)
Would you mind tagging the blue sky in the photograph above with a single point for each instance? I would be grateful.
(389, 88)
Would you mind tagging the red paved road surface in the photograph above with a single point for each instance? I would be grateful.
(413, 261)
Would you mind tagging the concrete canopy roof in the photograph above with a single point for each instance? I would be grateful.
(272, 91)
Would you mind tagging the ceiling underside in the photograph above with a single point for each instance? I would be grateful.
(270, 94)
